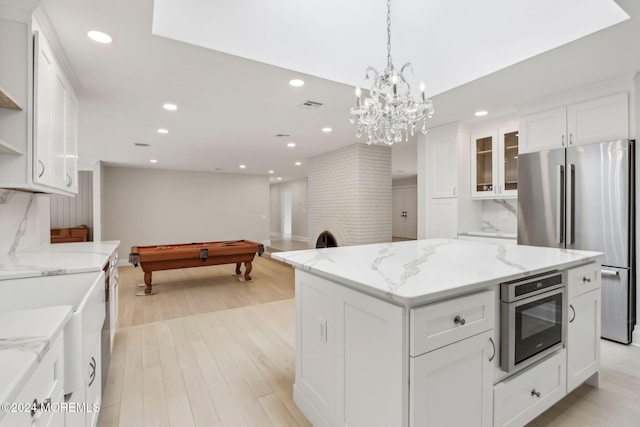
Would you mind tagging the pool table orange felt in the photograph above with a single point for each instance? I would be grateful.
(184, 255)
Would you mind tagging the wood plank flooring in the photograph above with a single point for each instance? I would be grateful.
(208, 350)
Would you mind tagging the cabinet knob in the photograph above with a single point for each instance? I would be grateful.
(459, 320)
(535, 393)
(586, 279)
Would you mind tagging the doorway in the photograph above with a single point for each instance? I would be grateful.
(286, 214)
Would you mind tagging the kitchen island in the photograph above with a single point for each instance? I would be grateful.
(408, 333)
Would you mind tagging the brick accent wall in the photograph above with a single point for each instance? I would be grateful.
(350, 195)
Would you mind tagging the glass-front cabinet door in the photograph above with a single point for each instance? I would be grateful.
(494, 164)
(508, 162)
(483, 165)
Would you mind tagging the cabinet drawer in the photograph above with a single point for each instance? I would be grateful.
(436, 325)
(583, 279)
(516, 400)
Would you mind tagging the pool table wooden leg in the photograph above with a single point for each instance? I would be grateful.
(147, 281)
(238, 272)
(247, 270)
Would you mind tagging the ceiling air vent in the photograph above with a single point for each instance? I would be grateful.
(311, 105)
(141, 144)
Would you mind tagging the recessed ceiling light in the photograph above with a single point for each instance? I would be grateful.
(100, 37)
(298, 163)
(242, 166)
(296, 82)
(279, 178)
(163, 131)
(291, 144)
(170, 107)
(327, 129)
(153, 161)
(481, 113)
(271, 172)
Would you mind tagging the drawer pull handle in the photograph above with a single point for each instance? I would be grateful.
(586, 279)
(535, 393)
(459, 320)
(574, 313)
(493, 356)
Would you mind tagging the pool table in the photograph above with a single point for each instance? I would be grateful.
(184, 255)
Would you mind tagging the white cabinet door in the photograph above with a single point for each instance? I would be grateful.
(44, 79)
(543, 131)
(508, 144)
(71, 147)
(453, 386)
(599, 120)
(583, 338)
(442, 218)
(370, 365)
(59, 128)
(443, 163)
(484, 160)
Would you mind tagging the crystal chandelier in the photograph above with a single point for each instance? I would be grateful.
(390, 111)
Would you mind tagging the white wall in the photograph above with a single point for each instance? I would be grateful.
(350, 195)
(24, 220)
(299, 228)
(151, 207)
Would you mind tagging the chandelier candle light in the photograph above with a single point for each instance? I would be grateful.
(390, 110)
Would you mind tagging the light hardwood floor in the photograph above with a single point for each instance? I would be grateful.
(208, 350)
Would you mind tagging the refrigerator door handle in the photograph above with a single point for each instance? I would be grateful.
(560, 201)
(611, 273)
(571, 201)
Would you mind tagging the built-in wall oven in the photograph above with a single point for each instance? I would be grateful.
(532, 321)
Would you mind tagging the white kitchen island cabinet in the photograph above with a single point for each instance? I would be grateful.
(405, 334)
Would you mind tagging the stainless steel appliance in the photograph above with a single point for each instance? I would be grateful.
(533, 324)
(582, 197)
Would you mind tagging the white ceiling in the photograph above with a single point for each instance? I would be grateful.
(231, 107)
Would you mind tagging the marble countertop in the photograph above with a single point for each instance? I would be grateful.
(419, 271)
(496, 234)
(24, 340)
(55, 259)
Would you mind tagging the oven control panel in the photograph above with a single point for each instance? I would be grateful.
(518, 289)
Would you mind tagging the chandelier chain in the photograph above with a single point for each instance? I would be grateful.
(389, 65)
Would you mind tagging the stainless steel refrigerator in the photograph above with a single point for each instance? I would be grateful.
(583, 197)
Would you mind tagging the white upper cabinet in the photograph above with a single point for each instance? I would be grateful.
(56, 113)
(494, 164)
(598, 120)
(443, 164)
(38, 137)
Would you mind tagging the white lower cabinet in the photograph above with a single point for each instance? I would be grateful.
(519, 399)
(349, 364)
(452, 386)
(45, 387)
(583, 332)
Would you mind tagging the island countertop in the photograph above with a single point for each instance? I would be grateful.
(414, 272)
